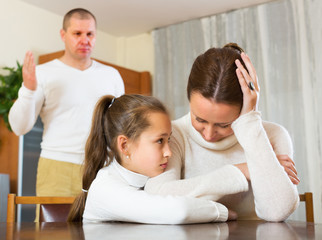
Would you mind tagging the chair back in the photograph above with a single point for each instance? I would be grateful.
(307, 197)
(56, 214)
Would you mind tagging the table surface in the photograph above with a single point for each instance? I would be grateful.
(130, 231)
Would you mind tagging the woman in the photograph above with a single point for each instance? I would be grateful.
(222, 148)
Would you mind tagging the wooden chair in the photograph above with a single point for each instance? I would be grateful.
(307, 197)
(54, 209)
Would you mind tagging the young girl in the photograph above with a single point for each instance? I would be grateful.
(128, 143)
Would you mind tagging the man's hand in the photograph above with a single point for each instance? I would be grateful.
(29, 72)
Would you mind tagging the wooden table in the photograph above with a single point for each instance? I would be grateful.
(127, 231)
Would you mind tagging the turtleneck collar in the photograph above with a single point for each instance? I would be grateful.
(223, 144)
(133, 179)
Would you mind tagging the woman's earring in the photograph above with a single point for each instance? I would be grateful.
(127, 156)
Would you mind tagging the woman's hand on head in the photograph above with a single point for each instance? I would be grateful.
(289, 167)
(29, 72)
(249, 84)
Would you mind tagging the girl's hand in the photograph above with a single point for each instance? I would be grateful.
(232, 215)
(289, 167)
(249, 84)
(29, 72)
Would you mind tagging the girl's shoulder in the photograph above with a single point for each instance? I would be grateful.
(107, 176)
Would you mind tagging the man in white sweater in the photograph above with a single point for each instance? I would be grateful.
(64, 92)
(222, 150)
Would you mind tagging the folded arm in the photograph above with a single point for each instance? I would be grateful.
(125, 203)
(275, 195)
(214, 185)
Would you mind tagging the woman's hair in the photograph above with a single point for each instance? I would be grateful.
(213, 75)
(126, 115)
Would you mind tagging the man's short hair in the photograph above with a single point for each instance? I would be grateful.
(80, 13)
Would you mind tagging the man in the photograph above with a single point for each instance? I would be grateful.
(64, 92)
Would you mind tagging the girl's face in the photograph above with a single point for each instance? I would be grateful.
(212, 120)
(149, 154)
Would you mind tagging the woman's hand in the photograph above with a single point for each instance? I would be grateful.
(29, 72)
(285, 161)
(289, 167)
(249, 84)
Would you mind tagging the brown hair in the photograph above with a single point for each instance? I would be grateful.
(80, 13)
(213, 75)
(126, 115)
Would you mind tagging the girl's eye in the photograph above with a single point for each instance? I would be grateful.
(160, 141)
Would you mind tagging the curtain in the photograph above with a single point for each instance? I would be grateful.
(283, 39)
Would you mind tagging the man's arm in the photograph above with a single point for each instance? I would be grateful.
(24, 112)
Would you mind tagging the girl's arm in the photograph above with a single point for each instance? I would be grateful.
(115, 201)
(220, 182)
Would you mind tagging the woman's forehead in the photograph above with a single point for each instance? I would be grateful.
(211, 111)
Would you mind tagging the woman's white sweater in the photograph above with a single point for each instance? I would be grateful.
(207, 169)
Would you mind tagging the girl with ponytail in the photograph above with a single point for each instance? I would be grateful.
(127, 145)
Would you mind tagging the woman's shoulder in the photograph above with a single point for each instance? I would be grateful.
(273, 128)
(180, 127)
(182, 123)
(279, 138)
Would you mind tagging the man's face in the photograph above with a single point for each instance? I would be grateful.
(79, 38)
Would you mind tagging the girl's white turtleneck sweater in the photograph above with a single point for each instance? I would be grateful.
(206, 170)
(116, 194)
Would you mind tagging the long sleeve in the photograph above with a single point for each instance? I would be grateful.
(276, 197)
(110, 198)
(206, 170)
(220, 182)
(24, 112)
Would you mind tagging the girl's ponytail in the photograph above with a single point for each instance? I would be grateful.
(97, 154)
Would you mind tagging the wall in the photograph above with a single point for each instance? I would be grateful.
(136, 52)
(27, 27)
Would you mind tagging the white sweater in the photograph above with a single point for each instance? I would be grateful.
(65, 99)
(209, 172)
(116, 195)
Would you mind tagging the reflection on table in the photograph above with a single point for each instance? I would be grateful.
(229, 230)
